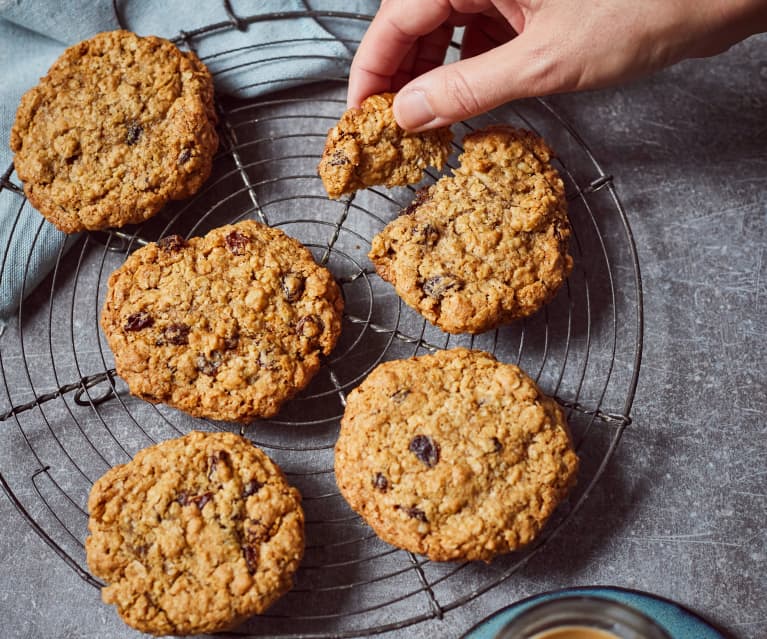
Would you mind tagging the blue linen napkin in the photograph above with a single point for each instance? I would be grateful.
(33, 33)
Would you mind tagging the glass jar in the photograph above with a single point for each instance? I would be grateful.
(581, 617)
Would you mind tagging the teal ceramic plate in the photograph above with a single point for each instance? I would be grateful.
(677, 621)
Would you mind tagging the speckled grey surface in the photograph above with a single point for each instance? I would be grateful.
(681, 508)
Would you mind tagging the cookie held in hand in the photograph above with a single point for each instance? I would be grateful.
(367, 147)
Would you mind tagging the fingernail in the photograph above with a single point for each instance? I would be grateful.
(412, 110)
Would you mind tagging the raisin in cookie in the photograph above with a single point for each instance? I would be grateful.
(226, 326)
(453, 455)
(119, 125)
(367, 147)
(194, 534)
(488, 244)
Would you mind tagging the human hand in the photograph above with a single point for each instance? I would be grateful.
(562, 45)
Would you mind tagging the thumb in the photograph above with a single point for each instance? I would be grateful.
(523, 67)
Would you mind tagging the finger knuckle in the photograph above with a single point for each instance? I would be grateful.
(460, 93)
(552, 71)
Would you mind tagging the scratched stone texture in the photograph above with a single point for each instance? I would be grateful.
(681, 508)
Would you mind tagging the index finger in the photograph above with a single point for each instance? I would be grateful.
(391, 34)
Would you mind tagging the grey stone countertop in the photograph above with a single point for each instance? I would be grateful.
(681, 509)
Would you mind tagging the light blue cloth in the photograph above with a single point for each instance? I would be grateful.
(34, 33)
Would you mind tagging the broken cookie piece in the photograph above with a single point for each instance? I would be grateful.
(367, 147)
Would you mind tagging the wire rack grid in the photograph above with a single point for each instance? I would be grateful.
(69, 417)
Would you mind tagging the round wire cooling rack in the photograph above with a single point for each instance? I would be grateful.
(69, 418)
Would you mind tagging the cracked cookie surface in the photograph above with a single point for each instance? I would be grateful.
(454, 455)
(487, 245)
(194, 534)
(226, 326)
(367, 147)
(119, 126)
